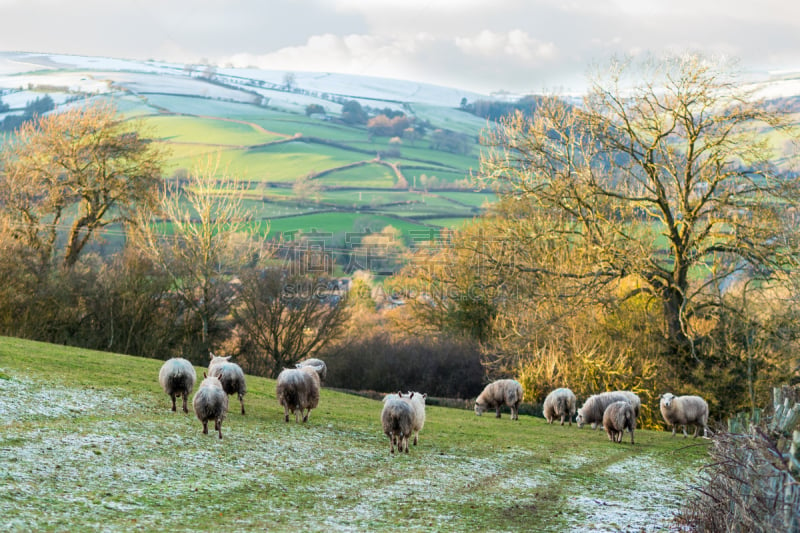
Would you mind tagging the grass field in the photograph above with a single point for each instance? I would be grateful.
(89, 443)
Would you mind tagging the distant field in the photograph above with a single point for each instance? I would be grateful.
(185, 129)
(348, 199)
(274, 146)
(337, 224)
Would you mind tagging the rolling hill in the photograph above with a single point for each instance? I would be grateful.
(263, 135)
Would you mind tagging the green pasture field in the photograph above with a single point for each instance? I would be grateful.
(367, 176)
(185, 129)
(336, 224)
(290, 124)
(284, 162)
(475, 199)
(89, 443)
(422, 151)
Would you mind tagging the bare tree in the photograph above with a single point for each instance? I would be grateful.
(286, 317)
(665, 174)
(212, 238)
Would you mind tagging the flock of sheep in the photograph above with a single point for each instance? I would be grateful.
(617, 411)
(403, 414)
(297, 388)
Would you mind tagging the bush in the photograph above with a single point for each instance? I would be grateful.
(751, 482)
(446, 367)
(591, 373)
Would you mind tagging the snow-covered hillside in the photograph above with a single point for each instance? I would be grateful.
(19, 70)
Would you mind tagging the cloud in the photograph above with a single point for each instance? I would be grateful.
(515, 44)
(475, 62)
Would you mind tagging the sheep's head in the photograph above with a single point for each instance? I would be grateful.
(666, 399)
(218, 360)
(579, 419)
(480, 407)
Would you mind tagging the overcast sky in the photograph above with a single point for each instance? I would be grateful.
(482, 45)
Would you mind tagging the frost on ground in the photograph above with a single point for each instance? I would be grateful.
(641, 496)
(22, 399)
(104, 461)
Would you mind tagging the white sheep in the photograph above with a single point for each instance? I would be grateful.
(317, 364)
(397, 419)
(210, 402)
(177, 377)
(297, 389)
(591, 412)
(230, 375)
(684, 410)
(560, 403)
(633, 399)
(498, 393)
(618, 417)
(417, 402)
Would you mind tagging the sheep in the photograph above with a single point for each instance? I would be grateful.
(316, 364)
(211, 403)
(560, 402)
(417, 402)
(397, 418)
(230, 374)
(298, 389)
(633, 399)
(177, 378)
(684, 410)
(593, 408)
(498, 393)
(618, 417)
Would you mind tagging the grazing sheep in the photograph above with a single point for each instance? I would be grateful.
(593, 408)
(498, 393)
(560, 403)
(177, 378)
(684, 410)
(618, 417)
(397, 418)
(633, 399)
(317, 364)
(211, 403)
(230, 374)
(298, 389)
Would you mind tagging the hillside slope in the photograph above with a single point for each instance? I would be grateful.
(88, 441)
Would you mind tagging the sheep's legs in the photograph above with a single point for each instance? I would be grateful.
(218, 427)
(173, 402)
(205, 427)
(497, 413)
(185, 407)
(285, 413)
(241, 400)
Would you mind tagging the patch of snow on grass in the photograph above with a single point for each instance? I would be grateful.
(24, 399)
(643, 496)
